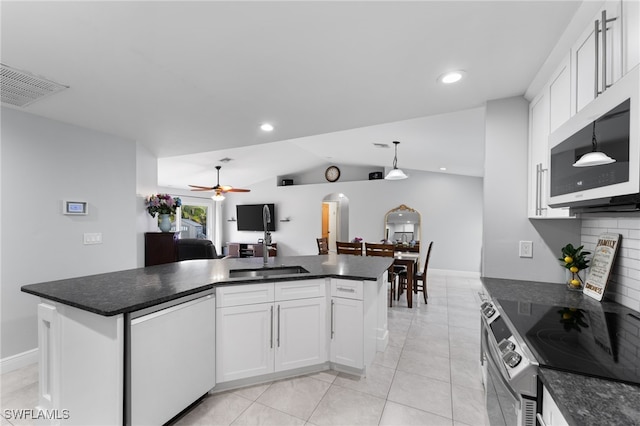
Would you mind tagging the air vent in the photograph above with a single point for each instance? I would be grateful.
(225, 160)
(21, 88)
(381, 145)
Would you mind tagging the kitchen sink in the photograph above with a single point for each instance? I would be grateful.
(267, 272)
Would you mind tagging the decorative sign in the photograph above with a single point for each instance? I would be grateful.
(603, 258)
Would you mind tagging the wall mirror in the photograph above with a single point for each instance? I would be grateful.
(402, 227)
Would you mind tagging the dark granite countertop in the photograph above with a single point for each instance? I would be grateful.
(582, 400)
(127, 291)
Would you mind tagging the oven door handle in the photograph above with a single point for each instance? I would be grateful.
(494, 368)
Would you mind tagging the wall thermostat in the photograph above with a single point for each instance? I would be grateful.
(75, 207)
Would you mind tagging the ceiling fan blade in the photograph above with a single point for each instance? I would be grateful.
(202, 188)
(225, 188)
(238, 190)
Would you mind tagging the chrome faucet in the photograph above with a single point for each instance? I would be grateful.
(266, 241)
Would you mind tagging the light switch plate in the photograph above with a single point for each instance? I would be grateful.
(93, 238)
(526, 249)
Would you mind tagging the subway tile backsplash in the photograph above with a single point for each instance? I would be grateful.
(624, 284)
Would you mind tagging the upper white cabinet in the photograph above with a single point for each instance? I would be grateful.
(547, 111)
(598, 55)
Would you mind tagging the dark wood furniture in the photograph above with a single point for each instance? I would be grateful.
(323, 245)
(344, 247)
(408, 260)
(385, 250)
(419, 278)
(250, 250)
(160, 247)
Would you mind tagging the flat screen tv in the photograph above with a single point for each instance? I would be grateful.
(250, 217)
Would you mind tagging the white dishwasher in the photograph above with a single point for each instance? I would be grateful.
(172, 353)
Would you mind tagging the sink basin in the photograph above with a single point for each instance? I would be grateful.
(267, 272)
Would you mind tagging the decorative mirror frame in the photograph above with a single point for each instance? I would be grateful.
(403, 208)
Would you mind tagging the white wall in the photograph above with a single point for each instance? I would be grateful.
(505, 203)
(451, 208)
(43, 162)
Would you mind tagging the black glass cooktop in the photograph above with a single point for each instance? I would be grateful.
(590, 342)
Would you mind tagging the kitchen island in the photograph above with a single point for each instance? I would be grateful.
(139, 346)
(582, 400)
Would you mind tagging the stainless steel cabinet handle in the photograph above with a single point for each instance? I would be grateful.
(278, 338)
(271, 327)
(603, 31)
(538, 166)
(332, 313)
(540, 419)
(596, 30)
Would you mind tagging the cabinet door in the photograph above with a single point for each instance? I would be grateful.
(244, 341)
(551, 414)
(347, 324)
(538, 133)
(301, 338)
(589, 63)
(560, 96)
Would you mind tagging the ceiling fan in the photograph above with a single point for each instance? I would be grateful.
(219, 189)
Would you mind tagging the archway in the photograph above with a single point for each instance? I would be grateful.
(335, 219)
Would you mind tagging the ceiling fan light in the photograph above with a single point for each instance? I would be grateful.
(218, 197)
(396, 174)
(595, 158)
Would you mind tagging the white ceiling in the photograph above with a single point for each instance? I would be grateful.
(193, 81)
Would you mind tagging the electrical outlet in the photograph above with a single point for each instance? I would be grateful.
(93, 238)
(526, 249)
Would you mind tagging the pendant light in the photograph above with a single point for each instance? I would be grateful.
(395, 173)
(595, 157)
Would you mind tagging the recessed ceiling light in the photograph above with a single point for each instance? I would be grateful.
(266, 127)
(451, 77)
(443, 168)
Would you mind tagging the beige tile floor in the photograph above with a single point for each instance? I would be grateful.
(429, 375)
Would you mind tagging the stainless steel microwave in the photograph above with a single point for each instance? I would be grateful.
(610, 125)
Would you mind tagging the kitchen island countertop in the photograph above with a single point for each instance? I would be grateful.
(127, 291)
(582, 400)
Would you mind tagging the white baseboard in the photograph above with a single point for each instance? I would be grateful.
(15, 362)
(468, 274)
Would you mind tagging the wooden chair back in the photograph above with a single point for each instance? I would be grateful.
(323, 245)
(374, 249)
(344, 247)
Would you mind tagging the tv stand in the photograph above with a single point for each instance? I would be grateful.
(249, 250)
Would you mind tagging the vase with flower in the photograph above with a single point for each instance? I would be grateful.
(164, 205)
(574, 260)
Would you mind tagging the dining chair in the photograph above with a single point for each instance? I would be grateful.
(419, 278)
(386, 250)
(323, 245)
(344, 247)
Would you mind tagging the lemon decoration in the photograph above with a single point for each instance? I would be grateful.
(574, 259)
(574, 269)
(568, 259)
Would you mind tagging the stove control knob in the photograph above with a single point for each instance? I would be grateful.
(488, 311)
(512, 359)
(506, 346)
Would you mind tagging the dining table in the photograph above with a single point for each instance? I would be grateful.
(408, 260)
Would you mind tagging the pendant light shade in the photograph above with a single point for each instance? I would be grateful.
(396, 173)
(595, 157)
(217, 197)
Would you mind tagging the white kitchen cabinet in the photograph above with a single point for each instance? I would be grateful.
(79, 350)
(286, 331)
(172, 350)
(244, 341)
(550, 108)
(346, 332)
(551, 415)
(631, 34)
(301, 333)
(353, 328)
(598, 65)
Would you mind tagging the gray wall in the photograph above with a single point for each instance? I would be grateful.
(505, 202)
(44, 162)
(451, 208)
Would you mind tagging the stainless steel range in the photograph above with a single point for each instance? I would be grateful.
(517, 337)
